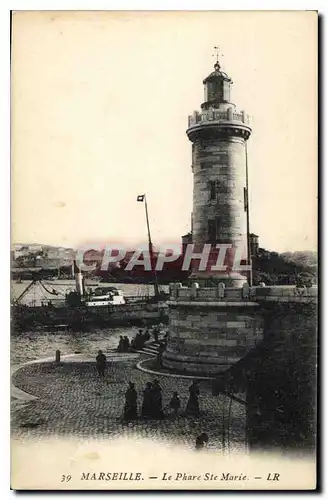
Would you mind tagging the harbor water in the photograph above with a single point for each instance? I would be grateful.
(41, 342)
(31, 345)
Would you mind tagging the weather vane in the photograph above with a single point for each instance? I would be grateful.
(216, 48)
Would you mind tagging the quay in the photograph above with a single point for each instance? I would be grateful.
(69, 399)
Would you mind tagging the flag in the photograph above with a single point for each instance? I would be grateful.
(140, 197)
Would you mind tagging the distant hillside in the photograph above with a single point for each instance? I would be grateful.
(31, 255)
(283, 269)
(305, 258)
(268, 267)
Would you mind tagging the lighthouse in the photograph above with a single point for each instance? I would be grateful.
(219, 133)
(214, 322)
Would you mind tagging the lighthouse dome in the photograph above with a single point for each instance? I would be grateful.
(217, 74)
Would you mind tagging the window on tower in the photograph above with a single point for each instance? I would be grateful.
(214, 226)
(212, 190)
(211, 230)
(217, 227)
(205, 164)
(226, 91)
(205, 93)
(215, 90)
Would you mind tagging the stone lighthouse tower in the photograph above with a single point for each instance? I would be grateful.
(218, 134)
(214, 321)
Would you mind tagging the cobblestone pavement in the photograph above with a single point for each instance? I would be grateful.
(73, 400)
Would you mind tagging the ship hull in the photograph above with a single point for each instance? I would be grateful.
(81, 316)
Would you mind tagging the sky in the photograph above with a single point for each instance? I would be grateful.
(100, 104)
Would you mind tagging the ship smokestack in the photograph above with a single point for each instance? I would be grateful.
(79, 280)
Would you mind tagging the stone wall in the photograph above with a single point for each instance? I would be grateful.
(281, 395)
(279, 378)
(211, 329)
(209, 334)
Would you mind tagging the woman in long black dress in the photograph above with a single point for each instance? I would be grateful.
(193, 404)
(157, 411)
(130, 407)
(146, 410)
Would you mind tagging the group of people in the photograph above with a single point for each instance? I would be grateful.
(123, 344)
(152, 406)
(138, 342)
(152, 403)
(140, 339)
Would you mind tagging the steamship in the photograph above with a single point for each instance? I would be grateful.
(88, 306)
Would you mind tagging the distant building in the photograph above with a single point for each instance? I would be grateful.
(254, 244)
(186, 240)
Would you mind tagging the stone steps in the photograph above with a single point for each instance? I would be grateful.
(151, 348)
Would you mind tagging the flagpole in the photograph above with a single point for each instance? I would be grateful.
(151, 251)
(250, 276)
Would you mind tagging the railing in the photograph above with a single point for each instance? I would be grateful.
(285, 292)
(208, 294)
(38, 302)
(214, 115)
(60, 302)
(254, 294)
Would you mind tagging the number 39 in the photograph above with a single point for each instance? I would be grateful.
(65, 479)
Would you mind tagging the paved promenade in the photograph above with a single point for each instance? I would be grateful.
(72, 400)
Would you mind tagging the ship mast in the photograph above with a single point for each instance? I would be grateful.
(143, 198)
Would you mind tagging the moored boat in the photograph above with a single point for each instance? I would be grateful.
(101, 297)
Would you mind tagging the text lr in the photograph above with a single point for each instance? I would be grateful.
(273, 476)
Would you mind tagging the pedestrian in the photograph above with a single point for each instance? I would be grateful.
(101, 363)
(146, 410)
(161, 349)
(193, 404)
(120, 347)
(201, 440)
(130, 407)
(156, 397)
(147, 335)
(175, 403)
(156, 333)
(138, 341)
(126, 344)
